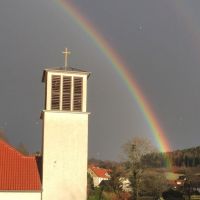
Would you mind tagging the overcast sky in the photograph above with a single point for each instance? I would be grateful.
(158, 39)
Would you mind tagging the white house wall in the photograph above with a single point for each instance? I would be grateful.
(20, 195)
(97, 181)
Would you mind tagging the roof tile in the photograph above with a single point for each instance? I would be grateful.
(17, 171)
(100, 172)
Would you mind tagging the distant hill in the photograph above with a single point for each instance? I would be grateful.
(180, 158)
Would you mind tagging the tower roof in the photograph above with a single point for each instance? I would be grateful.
(17, 171)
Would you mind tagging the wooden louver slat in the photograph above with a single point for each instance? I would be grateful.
(66, 104)
(55, 90)
(78, 87)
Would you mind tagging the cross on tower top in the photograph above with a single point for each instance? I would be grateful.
(66, 53)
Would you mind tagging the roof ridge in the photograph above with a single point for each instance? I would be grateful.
(8, 145)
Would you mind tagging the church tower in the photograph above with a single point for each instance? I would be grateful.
(65, 134)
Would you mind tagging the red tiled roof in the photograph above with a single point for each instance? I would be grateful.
(17, 171)
(100, 172)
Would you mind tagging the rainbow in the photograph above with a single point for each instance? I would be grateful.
(123, 72)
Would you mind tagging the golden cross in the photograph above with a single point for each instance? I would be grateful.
(66, 53)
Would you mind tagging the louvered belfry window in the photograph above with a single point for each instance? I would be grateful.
(66, 100)
(55, 90)
(67, 93)
(78, 90)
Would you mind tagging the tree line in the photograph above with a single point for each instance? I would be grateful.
(179, 158)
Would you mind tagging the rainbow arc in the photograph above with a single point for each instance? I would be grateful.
(124, 73)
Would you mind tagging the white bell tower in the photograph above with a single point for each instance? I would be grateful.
(65, 134)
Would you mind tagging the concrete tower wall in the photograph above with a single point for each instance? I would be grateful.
(65, 147)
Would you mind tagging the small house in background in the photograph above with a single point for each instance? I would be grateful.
(98, 174)
(181, 180)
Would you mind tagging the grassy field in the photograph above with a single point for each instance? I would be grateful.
(171, 176)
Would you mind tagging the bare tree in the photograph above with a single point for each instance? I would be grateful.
(134, 150)
(117, 173)
(153, 184)
(3, 136)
